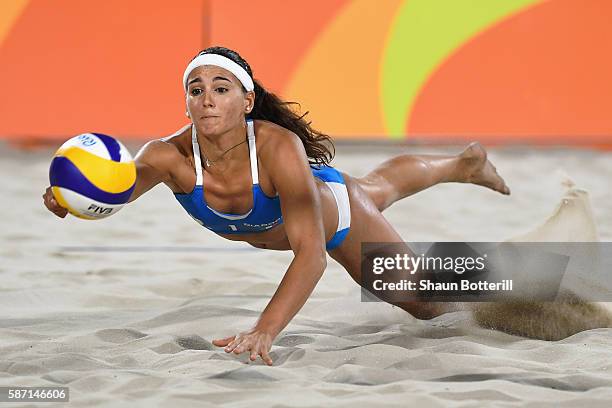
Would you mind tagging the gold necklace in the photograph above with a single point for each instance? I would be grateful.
(210, 163)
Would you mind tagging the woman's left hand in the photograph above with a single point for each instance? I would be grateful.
(256, 341)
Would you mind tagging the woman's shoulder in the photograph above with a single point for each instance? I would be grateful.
(278, 147)
(268, 129)
(167, 149)
(272, 137)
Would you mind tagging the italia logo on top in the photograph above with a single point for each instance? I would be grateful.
(92, 175)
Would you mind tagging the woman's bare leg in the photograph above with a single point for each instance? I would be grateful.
(408, 174)
(398, 178)
(369, 225)
(540, 320)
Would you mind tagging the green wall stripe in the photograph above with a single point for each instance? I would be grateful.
(423, 34)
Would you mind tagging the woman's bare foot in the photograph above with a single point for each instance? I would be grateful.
(474, 167)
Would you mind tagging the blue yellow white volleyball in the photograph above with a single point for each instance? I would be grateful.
(92, 175)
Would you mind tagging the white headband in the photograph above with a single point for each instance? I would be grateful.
(221, 62)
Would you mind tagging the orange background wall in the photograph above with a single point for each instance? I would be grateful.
(499, 71)
(113, 66)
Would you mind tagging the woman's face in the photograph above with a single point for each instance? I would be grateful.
(216, 101)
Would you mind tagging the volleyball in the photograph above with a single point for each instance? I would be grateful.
(92, 175)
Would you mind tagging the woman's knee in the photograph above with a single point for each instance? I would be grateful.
(378, 189)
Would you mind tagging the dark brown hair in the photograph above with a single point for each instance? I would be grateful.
(319, 146)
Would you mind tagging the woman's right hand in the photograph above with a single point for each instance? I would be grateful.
(52, 204)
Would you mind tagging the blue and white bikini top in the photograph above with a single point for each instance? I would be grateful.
(266, 211)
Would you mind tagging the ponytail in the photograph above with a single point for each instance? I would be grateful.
(319, 146)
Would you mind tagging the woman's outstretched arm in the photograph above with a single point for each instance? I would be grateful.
(153, 166)
(290, 173)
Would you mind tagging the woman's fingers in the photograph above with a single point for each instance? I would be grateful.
(223, 342)
(261, 349)
(52, 204)
(60, 212)
(246, 343)
(242, 346)
(265, 356)
(232, 346)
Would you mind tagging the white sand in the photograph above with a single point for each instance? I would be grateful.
(133, 327)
